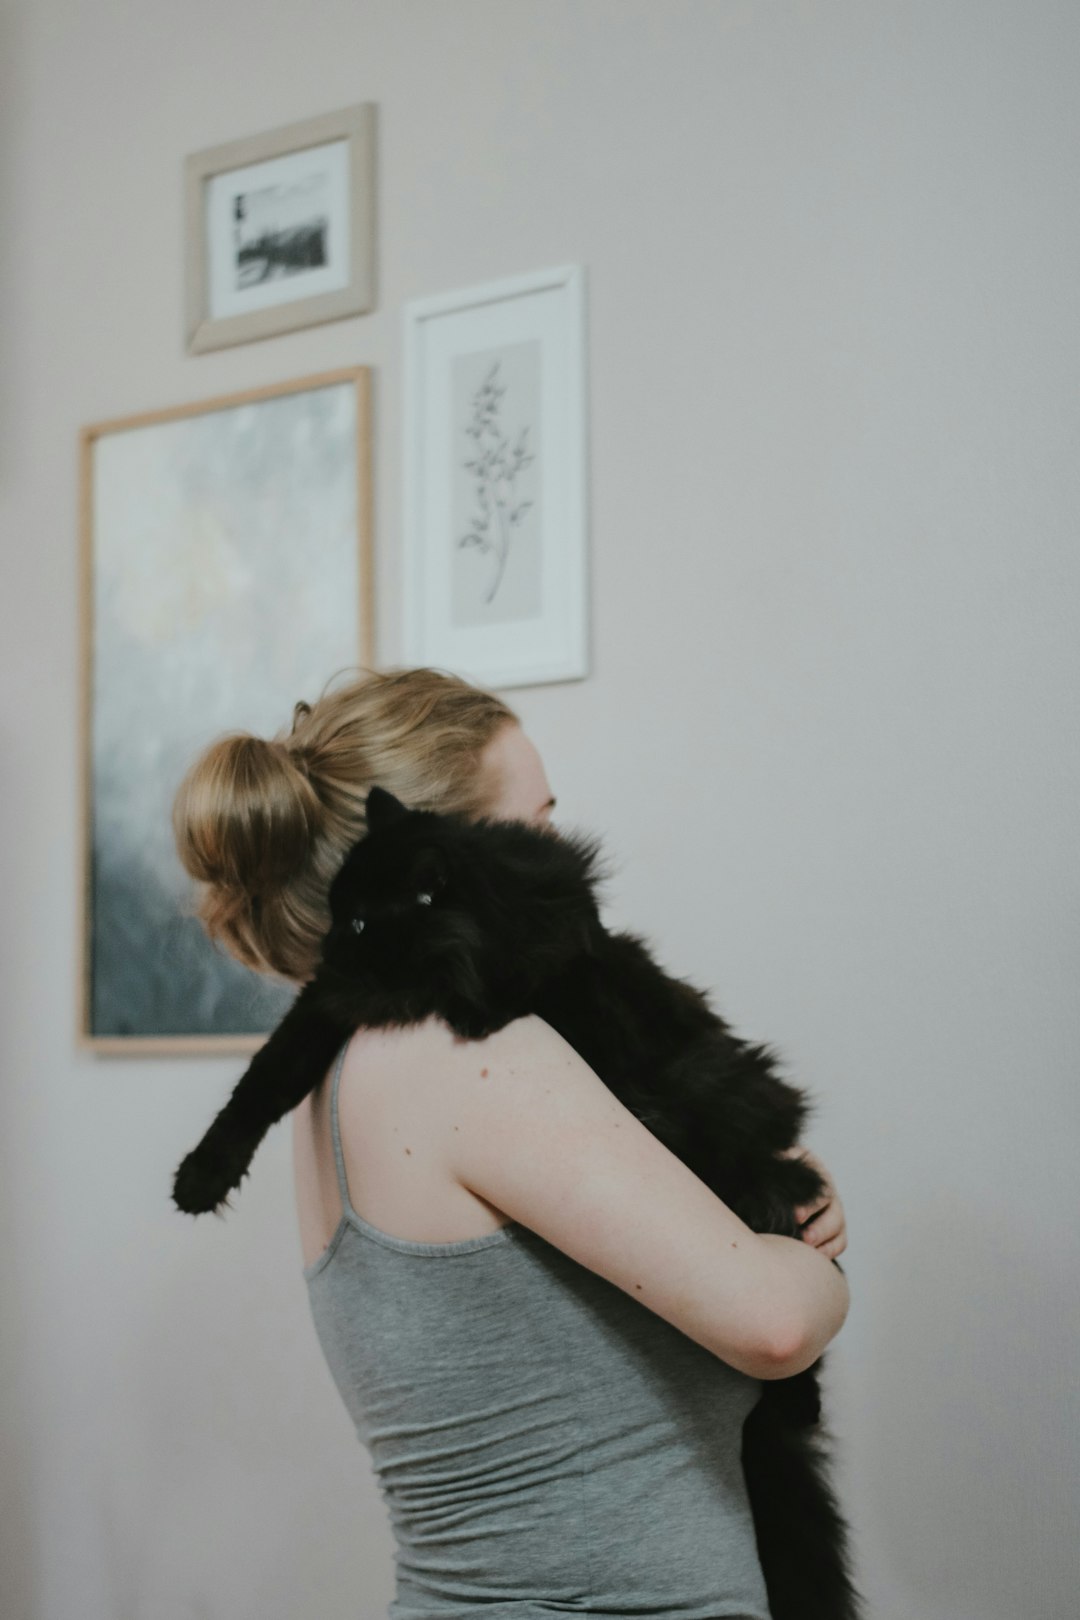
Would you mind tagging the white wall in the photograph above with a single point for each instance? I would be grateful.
(830, 733)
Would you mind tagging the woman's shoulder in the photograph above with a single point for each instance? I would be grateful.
(419, 1070)
(422, 1079)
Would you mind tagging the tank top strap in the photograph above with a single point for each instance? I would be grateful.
(335, 1129)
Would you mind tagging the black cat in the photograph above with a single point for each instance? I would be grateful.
(481, 922)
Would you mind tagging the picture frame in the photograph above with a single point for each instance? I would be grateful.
(280, 229)
(495, 535)
(225, 574)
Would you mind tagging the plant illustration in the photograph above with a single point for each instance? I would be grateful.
(495, 464)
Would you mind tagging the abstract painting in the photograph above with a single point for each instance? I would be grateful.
(226, 575)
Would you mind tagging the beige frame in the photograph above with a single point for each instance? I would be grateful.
(355, 124)
(141, 1045)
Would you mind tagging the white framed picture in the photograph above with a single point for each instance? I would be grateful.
(281, 229)
(496, 567)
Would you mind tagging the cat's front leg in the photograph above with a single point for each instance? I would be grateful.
(282, 1072)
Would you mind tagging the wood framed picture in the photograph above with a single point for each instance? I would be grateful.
(226, 573)
(280, 229)
(496, 575)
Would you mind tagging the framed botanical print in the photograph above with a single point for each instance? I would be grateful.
(281, 229)
(226, 574)
(494, 501)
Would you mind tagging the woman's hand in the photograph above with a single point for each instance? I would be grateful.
(822, 1222)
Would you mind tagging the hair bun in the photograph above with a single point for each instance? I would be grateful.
(249, 815)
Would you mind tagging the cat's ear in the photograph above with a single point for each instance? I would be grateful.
(381, 808)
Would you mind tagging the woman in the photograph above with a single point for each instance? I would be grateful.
(547, 1331)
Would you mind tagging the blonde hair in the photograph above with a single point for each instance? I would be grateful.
(263, 825)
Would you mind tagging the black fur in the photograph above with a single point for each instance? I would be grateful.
(481, 922)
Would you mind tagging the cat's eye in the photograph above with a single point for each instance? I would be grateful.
(423, 899)
(358, 925)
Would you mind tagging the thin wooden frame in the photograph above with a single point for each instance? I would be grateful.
(356, 125)
(89, 438)
(438, 332)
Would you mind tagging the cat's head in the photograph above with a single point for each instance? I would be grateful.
(465, 902)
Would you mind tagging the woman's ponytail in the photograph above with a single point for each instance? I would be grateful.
(263, 826)
(246, 819)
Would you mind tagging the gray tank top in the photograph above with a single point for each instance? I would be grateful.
(544, 1443)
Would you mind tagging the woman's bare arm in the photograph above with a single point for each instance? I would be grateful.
(531, 1128)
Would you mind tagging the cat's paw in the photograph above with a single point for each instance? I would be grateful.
(471, 1026)
(471, 1022)
(774, 1188)
(793, 1180)
(206, 1176)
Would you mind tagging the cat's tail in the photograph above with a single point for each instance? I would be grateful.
(802, 1537)
(280, 1075)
